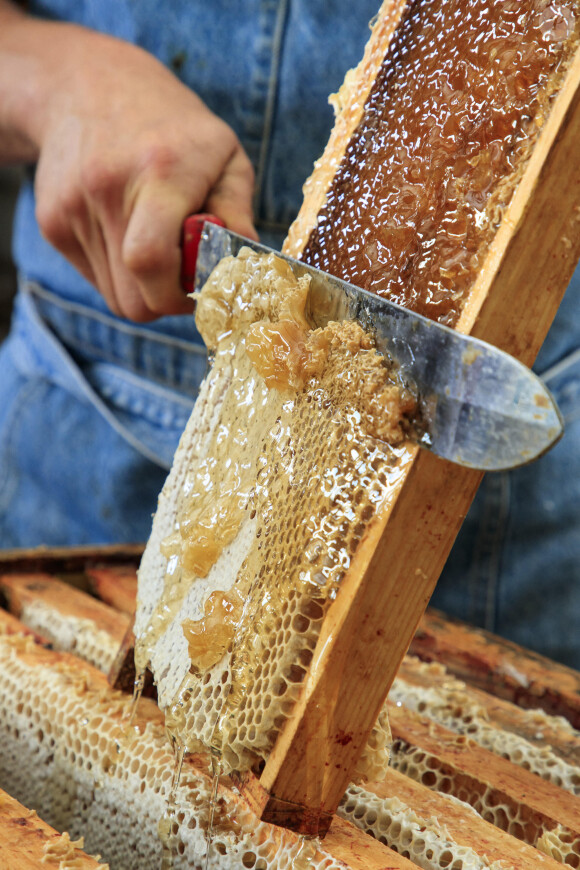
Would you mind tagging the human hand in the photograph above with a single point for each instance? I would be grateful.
(126, 152)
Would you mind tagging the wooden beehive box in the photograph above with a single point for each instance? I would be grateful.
(457, 735)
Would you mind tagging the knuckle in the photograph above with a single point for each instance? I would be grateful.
(159, 160)
(53, 225)
(100, 178)
(143, 259)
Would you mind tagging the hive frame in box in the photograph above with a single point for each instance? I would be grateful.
(425, 821)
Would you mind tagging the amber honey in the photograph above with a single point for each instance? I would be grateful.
(455, 109)
(210, 637)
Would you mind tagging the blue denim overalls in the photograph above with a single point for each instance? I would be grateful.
(92, 407)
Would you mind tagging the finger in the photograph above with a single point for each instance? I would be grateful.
(125, 290)
(55, 217)
(151, 251)
(231, 197)
(92, 241)
(78, 238)
(67, 220)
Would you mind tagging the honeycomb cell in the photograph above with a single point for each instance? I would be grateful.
(117, 806)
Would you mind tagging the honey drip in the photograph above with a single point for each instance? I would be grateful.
(138, 687)
(216, 771)
(168, 823)
(450, 120)
(304, 858)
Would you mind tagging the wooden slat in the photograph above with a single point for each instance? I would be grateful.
(370, 625)
(345, 842)
(69, 618)
(484, 780)
(497, 666)
(116, 585)
(57, 560)
(535, 727)
(464, 826)
(25, 840)
(25, 589)
(9, 624)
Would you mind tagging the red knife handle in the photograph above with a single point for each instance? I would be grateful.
(190, 237)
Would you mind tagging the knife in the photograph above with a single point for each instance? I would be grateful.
(477, 405)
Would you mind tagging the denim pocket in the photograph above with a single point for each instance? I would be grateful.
(149, 415)
(144, 412)
(66, 476)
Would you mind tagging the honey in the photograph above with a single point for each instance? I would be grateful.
(278, 353)
(209, 638)
(452, 115)
(303, 444)
(307, 445)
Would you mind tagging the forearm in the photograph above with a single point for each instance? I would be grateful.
(38, 62)
(17, 72)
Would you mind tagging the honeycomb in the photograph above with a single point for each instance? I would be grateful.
(558, 844)
(71, 634)
(425, 841)
(501, 810)
(66, 749)
(453, 706)
(373, 764)
(285, 476)
(447, 128)
(64, 851)
(269, 513)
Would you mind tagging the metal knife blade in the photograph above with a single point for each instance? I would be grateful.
(479, 407)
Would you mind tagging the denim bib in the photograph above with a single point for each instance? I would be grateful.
(91, 407)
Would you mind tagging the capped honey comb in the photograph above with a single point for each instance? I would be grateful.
(67, 750)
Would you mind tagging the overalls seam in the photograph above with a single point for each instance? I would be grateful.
(273, 84)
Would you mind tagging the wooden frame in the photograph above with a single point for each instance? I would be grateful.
(370, 625)
(496, 666)
(26, 842)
